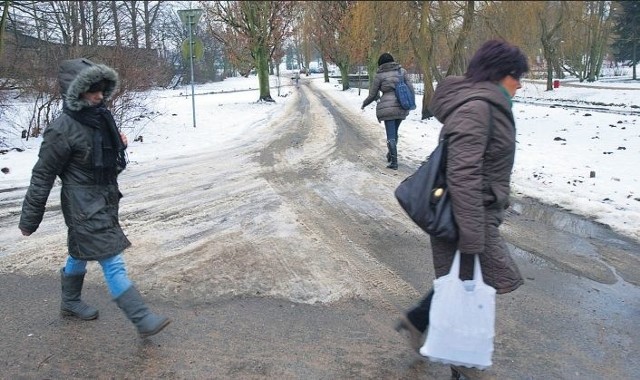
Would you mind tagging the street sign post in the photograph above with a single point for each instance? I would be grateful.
(190, 18)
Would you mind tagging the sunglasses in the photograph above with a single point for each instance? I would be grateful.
(515, 75)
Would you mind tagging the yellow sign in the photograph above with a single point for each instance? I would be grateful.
(197, 49)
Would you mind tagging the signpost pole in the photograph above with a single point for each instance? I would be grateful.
(191, 17)
(193, 98)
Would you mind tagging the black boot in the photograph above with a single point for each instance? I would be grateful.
(393, 154)
(135, 309)
(71, 304)
(416, 337)
(416, 321)
(419, 315)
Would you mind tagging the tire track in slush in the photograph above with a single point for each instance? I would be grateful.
(302, 164)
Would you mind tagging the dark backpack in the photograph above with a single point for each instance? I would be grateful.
(405, 96)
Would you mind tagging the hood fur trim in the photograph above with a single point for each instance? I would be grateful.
(77, 75)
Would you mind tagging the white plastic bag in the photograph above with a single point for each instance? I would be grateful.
(461, 320)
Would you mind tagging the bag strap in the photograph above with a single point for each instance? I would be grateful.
(400, 74)
(455, 266)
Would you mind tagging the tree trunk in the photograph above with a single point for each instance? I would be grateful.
(83, 23)
(344, 74)
(262, 69)
(422, 44)
(549, 74)
(429, 91)
(147, 24)
(634, 60)
(3, 24)
(549, 38)
(95, 27)
(149, 18)
(133, 15)
(116, 23)
(372, 65)
(634, 56)
(75, 24)
(457, 66)
(325, 70)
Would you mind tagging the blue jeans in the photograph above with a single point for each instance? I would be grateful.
(392, 126)
(113, 268)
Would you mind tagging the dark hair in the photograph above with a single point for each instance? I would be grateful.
(385, 58)
(495, 60)
(98, 86)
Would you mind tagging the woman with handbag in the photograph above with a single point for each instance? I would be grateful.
(389, 109)
(478, 123)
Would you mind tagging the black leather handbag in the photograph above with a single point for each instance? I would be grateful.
(425, 198)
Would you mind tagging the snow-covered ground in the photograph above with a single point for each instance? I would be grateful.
(582, 160)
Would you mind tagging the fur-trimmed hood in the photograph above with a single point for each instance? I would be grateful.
(77, 75)
(389, 66)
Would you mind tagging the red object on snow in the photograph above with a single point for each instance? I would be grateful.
(556, 83)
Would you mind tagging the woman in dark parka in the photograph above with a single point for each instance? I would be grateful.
(84, 148)
(478, 181)
(388, 108)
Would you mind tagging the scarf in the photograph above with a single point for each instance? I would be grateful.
(109, 152)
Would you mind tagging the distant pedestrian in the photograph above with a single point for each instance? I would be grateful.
(478, 122)
(84, 148)
(388, 109)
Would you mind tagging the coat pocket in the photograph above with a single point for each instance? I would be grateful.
(90, 210)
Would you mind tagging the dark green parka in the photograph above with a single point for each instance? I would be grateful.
(68, 151)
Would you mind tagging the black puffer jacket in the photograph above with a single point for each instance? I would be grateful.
(90, 206)
(387, 76)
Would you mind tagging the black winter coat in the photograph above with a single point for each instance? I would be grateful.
(89, 206)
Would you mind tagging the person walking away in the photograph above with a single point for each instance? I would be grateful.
(388, 109)
(478, 122)
(84, 148)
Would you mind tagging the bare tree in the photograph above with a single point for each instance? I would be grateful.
(116, 23)
(332, 20)
(428, 28)
(150, 14)
(3, 23)
(378, 27)
(261, 25)
(457, 66)
(591, 21)
(132, 12)
(550, 18)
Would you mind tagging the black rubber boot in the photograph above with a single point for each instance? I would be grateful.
(416, 321)
(393, 154)
(71, 304)
(415, 336)
(135, 309)
(419, 315)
